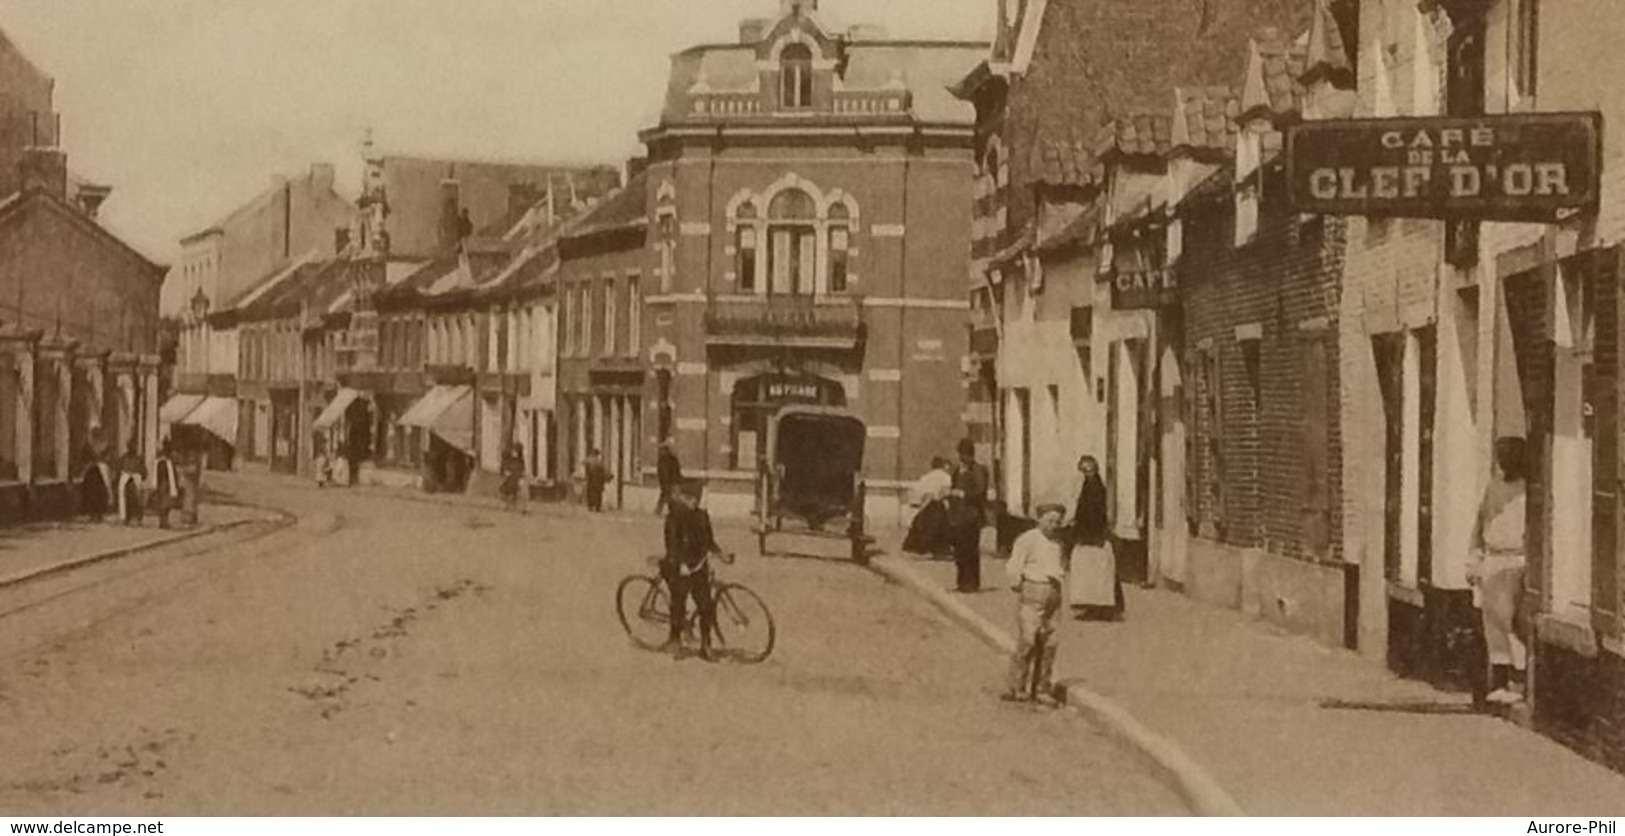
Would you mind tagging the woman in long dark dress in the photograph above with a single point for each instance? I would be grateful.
(95, 488)
(928, 533)
(1096, 593)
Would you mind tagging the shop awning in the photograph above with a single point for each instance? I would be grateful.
(178, 407)
(448, 412)
(216, 415)
(336, 408)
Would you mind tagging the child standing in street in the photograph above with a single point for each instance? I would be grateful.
(1037, 574)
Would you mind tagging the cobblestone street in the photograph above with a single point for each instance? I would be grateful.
(382, 657)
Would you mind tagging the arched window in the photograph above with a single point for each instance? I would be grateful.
(795, 76)
(792, 244)
(745, 248)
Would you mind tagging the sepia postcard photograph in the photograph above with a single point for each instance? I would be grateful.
(426, 415)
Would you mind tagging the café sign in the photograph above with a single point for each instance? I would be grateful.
(1533, 167)
(1144, 288)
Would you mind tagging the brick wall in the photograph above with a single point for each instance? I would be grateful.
(1284, 283)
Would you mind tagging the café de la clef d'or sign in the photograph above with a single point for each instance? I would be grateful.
(1536, 167)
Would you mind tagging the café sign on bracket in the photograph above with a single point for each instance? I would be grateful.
(1533, 167)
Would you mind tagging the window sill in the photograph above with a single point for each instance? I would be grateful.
(1570, 630)
(1399, 591)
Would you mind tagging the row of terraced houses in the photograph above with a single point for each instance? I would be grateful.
(1296, 412)
(1072, 240)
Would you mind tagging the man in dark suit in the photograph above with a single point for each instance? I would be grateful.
(690, 543)
(966, 516)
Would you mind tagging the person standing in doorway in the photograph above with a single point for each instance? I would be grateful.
(131, 473)
(1497, 571)
(1095, 593)
(1037, 574)
(669, 472)
(166, 484)
(968, 500)
(95, 486)
(596, 477)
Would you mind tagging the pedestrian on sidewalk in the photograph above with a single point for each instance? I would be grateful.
(1037, 575)
(1095, 593)
(966, 517)
(132, 473)
(166, 484)
(513, 473)
(928, 532)
(595, 476)
(1497, 571)
(669, 472)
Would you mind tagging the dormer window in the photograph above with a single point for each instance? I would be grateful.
(795, 77)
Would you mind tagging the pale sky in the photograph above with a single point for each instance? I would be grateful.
(188, 107)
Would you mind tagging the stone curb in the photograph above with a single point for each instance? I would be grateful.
(125, 551)
(1193, 783)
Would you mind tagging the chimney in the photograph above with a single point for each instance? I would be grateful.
(44, 169)
(450, 214)
(322, 176)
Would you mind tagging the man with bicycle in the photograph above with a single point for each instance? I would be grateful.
(690, 543)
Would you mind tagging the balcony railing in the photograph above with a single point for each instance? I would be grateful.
(833, 322)
(872, 102)
(727, 104)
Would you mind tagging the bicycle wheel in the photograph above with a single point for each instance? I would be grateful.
(744, 630)
(645, 610)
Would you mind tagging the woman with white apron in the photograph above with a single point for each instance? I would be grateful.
(1093, 590)
(1497, 572)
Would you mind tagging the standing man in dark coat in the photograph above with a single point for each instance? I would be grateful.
(690, 543)
(966, 517)
(596, 477)
(670, 473)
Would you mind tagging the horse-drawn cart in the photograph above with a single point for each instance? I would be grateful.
(811, 480)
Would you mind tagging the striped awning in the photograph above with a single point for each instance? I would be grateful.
(448, 412)
(336, 408)
(216, 415)
(178, 407)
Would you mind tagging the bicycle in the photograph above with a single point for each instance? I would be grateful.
(744, 629)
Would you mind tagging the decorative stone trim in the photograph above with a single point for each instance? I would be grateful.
(888, 230)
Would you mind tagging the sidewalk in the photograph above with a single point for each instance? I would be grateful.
(30, 551)
(1286, 727)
